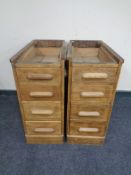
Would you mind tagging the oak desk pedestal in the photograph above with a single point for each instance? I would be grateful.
(39, 76)
(93, 74)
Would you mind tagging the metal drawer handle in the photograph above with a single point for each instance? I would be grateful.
(94, 75)
(41, 94)
(90, 113)
(92, 94)
(41, 112)
(33, 76)
(44, 130)
(88, 129)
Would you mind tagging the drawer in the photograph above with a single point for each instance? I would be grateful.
(85, 139)
(92, 93)
(42, 110)
(87, 128)
(45, 76)
(82, 111)
(43, 128)
(44, 139)
(88, 74)
(36, 92)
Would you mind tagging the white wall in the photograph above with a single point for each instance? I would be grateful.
(24, 20)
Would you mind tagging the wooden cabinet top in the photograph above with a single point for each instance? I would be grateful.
(40, 53)
(92, 52)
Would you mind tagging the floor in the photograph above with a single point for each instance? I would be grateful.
(18, 158)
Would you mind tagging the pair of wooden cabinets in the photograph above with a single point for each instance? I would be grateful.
(91, 69)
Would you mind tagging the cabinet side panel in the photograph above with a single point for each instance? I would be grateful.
(18, 95)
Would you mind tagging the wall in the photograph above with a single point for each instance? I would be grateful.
(22, 20)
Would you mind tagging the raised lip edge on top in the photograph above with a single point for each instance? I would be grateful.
(98, 43)
(14, 58)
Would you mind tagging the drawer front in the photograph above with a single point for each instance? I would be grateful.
(93, 74)
(38, 92)
(81, 111)
(87, 128)
(43, 128)
(44, 139)
(90, 93)
(42, 110)
(45, 76)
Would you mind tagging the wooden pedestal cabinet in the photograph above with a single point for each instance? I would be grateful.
(93, 74)
(39, 76)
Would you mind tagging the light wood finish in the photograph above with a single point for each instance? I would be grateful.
(38, 70)
(90, 113)
(46, 76)
(46, 110)
(43, 139)
(88, 129)
(41, 92)
(48, 51)
(44, 128)
(91, 128)
(82, 52)
(72, 139)
(40, 56)
(89, 74)
(94, 69)
(94, 75)
(32, 76)
(90, 93)
(82, 112)
(41, 112)
(92, 56)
